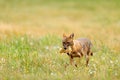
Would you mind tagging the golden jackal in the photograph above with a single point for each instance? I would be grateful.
(79, 47)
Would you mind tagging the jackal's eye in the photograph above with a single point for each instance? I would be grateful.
(68, 42)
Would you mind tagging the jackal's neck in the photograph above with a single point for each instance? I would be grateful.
(71, 47)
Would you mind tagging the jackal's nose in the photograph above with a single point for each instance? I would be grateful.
(65, 48)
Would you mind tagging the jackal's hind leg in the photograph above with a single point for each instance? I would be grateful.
(87, 60)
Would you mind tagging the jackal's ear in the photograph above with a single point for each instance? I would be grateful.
(72, 35)
(64, 35)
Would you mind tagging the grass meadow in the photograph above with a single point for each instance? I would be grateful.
(31, 33)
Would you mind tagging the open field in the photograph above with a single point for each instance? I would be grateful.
(31, 33)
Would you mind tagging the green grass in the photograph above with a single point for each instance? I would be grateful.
(31, 32)
(25, 57)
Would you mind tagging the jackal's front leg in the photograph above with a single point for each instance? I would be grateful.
(72, 61)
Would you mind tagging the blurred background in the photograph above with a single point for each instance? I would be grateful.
(46, 21)
(58, 16)
(96, 19)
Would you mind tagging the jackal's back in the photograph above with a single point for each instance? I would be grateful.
(85, 42)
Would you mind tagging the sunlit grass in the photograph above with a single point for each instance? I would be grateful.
(38, 58)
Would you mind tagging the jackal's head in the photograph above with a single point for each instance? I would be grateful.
(67, 41)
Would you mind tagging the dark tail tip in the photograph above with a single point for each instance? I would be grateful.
(91, 54)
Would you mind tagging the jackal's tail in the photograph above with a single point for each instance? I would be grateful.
(91, 54)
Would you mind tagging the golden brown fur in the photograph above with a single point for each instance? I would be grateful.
(80, 47)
